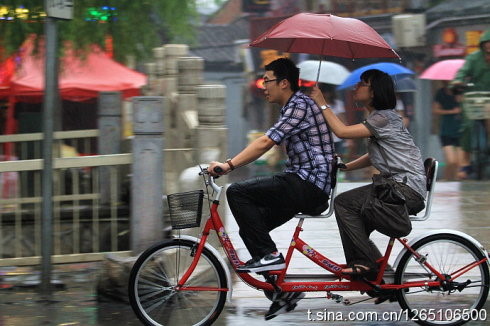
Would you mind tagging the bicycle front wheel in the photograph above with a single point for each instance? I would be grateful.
(454, 302)
(154, 296)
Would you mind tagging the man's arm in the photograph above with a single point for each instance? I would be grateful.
(249, 154)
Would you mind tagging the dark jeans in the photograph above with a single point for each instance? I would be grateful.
(354, 231)
(260, 205)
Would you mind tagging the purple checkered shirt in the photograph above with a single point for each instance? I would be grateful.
(307, 139)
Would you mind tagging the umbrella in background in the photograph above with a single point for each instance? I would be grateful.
(395, 70)
(443, 70)
(330, 72)
(405, 84)
(327, 35)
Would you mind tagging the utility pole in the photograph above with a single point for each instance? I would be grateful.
(55, 9)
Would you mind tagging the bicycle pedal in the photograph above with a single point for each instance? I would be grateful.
(291, 307)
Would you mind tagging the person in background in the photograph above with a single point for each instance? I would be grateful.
(400, 108)
(260, 205)
(448, 106)
(475, 71)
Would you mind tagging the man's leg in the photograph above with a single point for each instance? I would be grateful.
(251, 203)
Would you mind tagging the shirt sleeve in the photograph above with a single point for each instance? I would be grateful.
(290, 122)
(378, 124)
(465, 71)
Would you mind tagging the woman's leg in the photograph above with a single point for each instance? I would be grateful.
(358, 249)
(452, 163)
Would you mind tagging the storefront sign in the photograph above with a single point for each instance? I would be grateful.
(450, 46)
(268, 56)
(472, 41)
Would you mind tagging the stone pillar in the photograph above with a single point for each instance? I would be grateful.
(147, 172)
(189, 77)
(172, 53)
(159, 55)
(211, 135)
(190, 74)
(109, 140)
(153, 85)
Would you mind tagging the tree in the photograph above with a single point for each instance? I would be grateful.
(135, 27)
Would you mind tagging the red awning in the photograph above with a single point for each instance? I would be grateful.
(79, 79)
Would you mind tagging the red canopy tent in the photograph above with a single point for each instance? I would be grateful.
(80, 79)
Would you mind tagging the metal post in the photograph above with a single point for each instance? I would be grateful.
(49, 107)
(109, 140)
(147, 172)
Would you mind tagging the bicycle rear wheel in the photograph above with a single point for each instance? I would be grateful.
(152, 285)
(453, 303)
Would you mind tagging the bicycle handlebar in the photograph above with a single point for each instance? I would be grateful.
(210, 179)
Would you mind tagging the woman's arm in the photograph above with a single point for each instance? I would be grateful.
(437, 109)
(336, 125)
(359, 163)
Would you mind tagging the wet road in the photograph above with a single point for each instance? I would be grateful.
(460, 206)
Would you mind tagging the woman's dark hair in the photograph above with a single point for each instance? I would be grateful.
(285, 69)
(383, 88)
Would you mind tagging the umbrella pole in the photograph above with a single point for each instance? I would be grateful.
(318, 72)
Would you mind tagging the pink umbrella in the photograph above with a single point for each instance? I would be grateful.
(443, 70)
(325, 34)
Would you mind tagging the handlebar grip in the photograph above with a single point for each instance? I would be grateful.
(217, 169)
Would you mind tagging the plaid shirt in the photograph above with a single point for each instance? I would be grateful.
(307, 138)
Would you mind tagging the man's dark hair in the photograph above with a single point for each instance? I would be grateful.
(383, 88)
(284, 68)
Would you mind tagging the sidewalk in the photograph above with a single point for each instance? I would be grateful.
(460, 206)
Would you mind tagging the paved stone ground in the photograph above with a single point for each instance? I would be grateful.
(461, 206)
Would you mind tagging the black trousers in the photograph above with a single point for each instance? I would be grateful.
(354, 231)
(260, 205)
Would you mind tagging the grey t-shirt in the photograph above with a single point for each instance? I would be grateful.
(403, 156)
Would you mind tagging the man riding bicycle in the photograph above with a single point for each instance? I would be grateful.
(260, 205)
(475, 71)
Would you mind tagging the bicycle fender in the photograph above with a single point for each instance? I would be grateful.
(220, 259)
(442, 231)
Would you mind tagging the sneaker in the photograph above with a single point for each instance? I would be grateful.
(269, 262)
(285, 303)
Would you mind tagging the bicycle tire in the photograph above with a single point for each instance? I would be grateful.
(152, 281)
(443, 306)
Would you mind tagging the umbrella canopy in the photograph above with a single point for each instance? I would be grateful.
(393, 69)
(330, 72)
(325, 34)
(405, 84)
(443, 70)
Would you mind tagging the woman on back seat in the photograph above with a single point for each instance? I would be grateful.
(376, 91)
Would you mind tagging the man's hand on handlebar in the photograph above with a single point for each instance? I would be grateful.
(218, 168)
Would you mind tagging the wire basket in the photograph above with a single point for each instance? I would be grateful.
(185, 209)
(476, 105)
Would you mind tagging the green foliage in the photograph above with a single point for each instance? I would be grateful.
(135, 26)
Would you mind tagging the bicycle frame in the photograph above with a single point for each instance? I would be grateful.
(284, 282)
